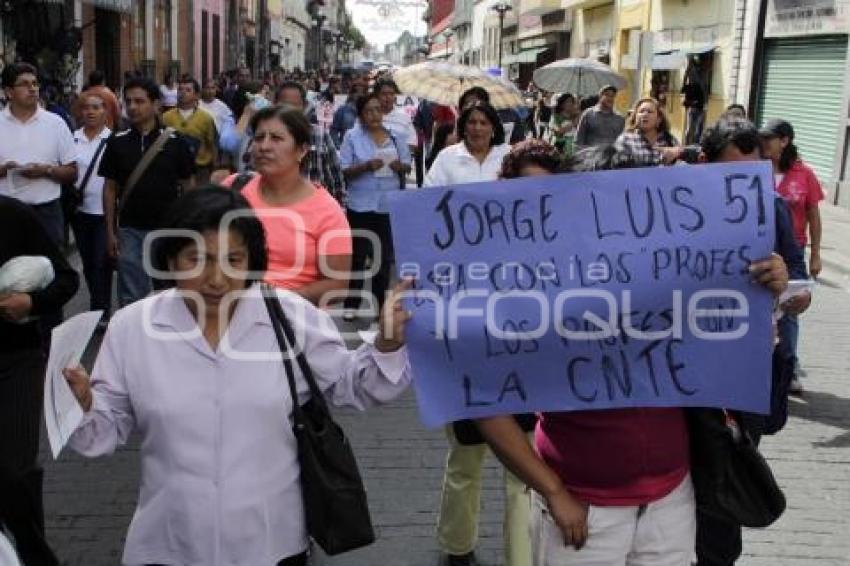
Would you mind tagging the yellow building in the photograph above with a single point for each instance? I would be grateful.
(651, 43)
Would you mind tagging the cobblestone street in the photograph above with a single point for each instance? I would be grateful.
(89, 503)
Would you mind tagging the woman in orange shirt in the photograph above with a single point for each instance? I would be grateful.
(309, 240)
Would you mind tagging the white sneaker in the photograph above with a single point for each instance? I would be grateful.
(796, 387)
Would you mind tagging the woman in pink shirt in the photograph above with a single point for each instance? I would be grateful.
(308, 236)
(799, 186)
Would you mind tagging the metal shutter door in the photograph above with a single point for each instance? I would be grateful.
(803, 82)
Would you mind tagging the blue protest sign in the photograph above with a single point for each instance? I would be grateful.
(589, 291)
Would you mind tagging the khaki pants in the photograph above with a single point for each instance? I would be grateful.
(457, 529)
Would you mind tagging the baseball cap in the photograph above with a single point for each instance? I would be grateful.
(607, 87)
(777, 128)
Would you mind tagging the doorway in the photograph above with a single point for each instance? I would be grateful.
(107, 45)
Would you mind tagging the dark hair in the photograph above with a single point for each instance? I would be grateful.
(361, 101)
(789, 156)
(737, 107)
(441, 135)
(146, 84)
(729, 130)
(186, 79)
(381, 83)
(562, 99)
(531, 152)
(202, 210)
(294, 86)
(294, 120)
(492, 117)
(15, 70)
(602, 158)
(96, 78)
(476, 91)
(588, 102)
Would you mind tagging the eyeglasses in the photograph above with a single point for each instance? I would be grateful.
(27, 84)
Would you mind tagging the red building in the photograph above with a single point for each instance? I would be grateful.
(441, 14)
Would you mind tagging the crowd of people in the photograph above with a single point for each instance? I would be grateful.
(307, 199)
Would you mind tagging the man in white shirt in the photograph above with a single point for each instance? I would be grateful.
(210, 102)
(36, 150)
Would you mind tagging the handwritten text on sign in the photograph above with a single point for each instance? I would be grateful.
(589, 291)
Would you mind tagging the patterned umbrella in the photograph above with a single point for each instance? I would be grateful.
(443, 83)
(578, 76)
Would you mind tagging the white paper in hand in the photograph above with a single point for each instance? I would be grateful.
(62, 412)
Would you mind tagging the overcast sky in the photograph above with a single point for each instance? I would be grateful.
(382, 30)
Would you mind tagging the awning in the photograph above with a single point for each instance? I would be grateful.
(677, 59)
(668, 60)
(527, 56)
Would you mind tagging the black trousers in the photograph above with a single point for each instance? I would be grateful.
(90, 235)
(378, 224)
(21, 509)
(719, 542)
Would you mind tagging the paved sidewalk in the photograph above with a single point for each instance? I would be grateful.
(835, 246)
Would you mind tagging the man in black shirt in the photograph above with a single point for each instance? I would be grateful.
(130, 217)
(22, 366)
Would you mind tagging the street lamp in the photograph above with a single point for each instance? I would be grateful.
(448, 35)
(319, 18)
(502, 8)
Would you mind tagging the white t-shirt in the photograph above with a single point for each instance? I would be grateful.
(86, 148)
(45, 139)
(455, 165)
(400, 124)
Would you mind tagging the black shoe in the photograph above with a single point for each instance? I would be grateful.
(467, 559)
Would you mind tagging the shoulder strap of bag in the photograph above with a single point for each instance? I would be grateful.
(401, 184)
(241, 180)
(90, 169)
(143, 165)
(285, 336)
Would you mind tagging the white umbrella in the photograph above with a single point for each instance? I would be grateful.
(443, 83)
(578, 76)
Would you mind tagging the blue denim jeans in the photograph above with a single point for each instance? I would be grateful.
(789, 332)
(134, 283)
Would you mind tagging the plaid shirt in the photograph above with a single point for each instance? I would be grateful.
(322, 165)
(639, 147)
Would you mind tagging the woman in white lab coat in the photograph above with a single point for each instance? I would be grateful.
(196, 371)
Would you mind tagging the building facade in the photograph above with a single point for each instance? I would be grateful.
(209, 18)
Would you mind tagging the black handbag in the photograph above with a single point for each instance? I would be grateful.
(335, 505)
(732, 481)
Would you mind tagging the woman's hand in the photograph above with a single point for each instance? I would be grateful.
(570, 515)
(815, 265)
(398, 166)
(80, 384)
(15, 307)
(393, 319)
(669, 155)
